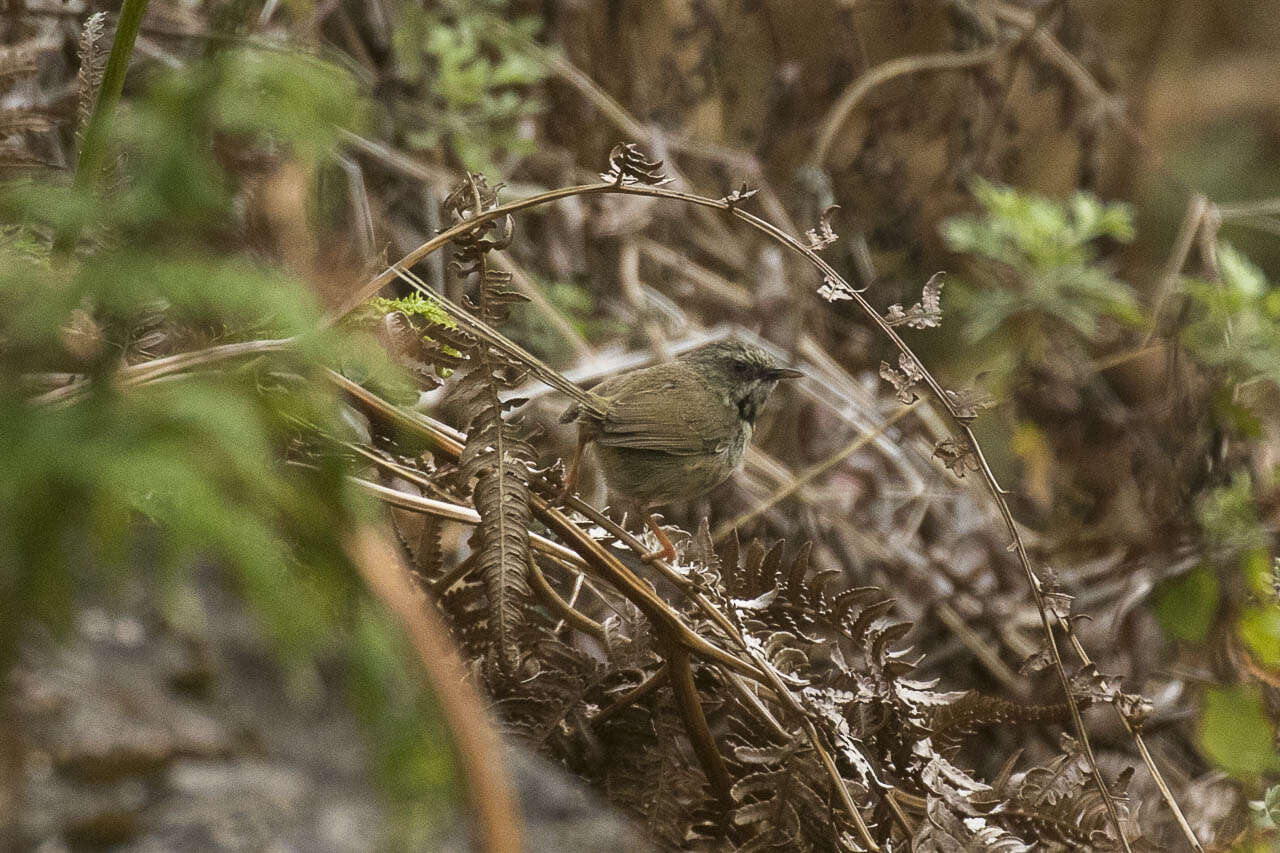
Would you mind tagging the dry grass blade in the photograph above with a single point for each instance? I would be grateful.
(462, 515)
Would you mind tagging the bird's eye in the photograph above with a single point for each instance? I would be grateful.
(741, 368)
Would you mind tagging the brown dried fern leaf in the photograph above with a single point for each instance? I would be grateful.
(92, 52)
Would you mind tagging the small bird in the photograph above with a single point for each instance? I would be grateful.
(677, 430)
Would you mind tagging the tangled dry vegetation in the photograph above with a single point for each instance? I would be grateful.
(858, 647)
(761, 701)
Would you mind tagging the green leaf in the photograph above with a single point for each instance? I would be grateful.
(1259, 630)
(1047, 245)
(1271, 805)
(1187, 606)
(1239, 273)
(414, 305)
(1236, 733)
(1229, 517)
(294, 99)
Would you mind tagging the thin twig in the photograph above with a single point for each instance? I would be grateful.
(883, 73)
(148, 371)
(680, 675)
(1109, 106)
(1165, 791)
(1261, 207)
(1017, 51)
(632, 696)
(1051, 641)
(552, 599)
(749, 696)
(808, 475)
(462, 515)
(1192, 221)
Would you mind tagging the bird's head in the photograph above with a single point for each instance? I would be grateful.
(744, 373)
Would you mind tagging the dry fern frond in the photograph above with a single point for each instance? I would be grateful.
(496, 457)
(92, 52)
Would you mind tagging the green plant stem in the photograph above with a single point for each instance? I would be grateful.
(93, 146)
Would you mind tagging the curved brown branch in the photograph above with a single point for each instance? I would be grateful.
(545, 591)
(680, 675)
(883, 73)
(493, 807)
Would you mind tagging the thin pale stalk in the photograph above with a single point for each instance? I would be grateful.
(883, 73)
(1187, 231)
(148, 371)
(460, 514)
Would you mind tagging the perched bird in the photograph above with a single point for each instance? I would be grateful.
(677, 430)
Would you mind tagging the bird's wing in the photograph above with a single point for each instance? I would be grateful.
(664, 408)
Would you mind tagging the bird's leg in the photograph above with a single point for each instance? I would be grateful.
(668, 551)
(571, 478)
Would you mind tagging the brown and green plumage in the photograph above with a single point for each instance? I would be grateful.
(675, 431)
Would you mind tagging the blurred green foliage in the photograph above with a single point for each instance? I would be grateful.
(1235, 322)
(1044, 279)
(1229, 517)
(1045, 259)
(194, 467)
(1236, 732)
(1271, 805)
(1187, 606)
(472, 77)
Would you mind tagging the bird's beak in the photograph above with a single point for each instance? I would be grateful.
(786, 373)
